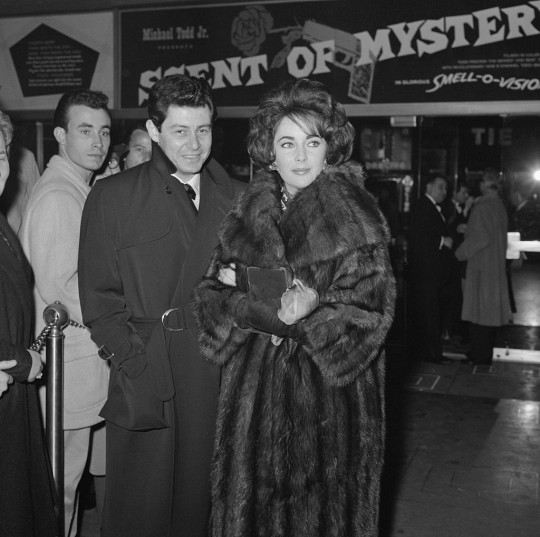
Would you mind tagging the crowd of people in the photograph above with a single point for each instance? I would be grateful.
(224, 372)
(230, 336)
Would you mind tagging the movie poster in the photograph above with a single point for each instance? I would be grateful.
(383, 52)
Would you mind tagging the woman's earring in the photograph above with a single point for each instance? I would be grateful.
(272, 166)
(325, 165)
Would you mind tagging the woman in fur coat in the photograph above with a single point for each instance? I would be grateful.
(300, 431)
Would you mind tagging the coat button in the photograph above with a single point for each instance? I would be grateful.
(168, 190)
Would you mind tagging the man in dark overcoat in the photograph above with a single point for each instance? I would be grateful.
(430, 258)
(147, 236)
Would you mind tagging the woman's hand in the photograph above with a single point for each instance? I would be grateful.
(227, 275)
(297, 303)
(37, 366)
(5, 378)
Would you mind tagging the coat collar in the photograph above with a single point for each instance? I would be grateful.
(211, 171)
(330, 217)
(58, 165)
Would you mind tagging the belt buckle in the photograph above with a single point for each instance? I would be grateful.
(164, 322)
(104, 353)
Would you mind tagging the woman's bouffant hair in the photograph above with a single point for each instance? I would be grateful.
(307, 103)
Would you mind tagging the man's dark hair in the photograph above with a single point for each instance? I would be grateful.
(139, 126)
(96, 100)
(430, 179)
(433, 176)
(178, 90)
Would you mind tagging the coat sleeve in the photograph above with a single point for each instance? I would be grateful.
(214, 307)
(18, 353)
(476, 235)
(348, 329)
(101, 290)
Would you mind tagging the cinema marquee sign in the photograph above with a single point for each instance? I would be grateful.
(366, 56)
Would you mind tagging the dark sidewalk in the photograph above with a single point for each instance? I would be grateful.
(464, 453)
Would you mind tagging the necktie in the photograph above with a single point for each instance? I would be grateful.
(439, 208)
(191, 193)
(5, 239)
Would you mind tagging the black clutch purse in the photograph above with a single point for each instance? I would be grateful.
(264, 283)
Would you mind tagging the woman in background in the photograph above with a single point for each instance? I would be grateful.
(300, 430)
(26, 488)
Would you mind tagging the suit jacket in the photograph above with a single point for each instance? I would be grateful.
(427, 259)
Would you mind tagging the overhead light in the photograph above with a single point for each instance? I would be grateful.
(403, 121)
(536, 175)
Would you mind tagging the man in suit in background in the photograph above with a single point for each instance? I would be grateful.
(456, 330)
(429, 265)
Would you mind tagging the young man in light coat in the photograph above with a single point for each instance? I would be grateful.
(50, 238)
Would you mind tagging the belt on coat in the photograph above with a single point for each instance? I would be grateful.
(174, 320)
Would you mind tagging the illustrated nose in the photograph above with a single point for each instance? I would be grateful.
(301, 155)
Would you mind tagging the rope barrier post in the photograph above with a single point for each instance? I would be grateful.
(56, 316)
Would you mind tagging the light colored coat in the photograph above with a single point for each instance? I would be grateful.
(485, 297)
(50, 238)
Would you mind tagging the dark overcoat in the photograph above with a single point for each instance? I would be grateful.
(26, 487)
(143, 248)
(299, 446)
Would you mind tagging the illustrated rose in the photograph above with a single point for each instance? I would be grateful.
(249, 29)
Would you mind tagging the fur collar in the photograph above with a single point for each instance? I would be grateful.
(329, 218)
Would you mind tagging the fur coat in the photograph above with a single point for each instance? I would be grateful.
(300, 432)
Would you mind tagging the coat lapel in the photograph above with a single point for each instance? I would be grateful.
(216, 200)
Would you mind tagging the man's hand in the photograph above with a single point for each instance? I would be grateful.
(448, 242)
(37, 366)
(5, 378)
